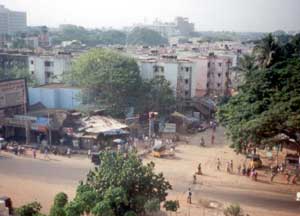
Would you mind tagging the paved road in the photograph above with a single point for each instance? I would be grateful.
(50, 172)
(55, 172)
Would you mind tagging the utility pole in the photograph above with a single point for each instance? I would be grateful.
(49, 130)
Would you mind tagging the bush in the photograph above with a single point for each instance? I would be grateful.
(233, 210)
(31, 209)
(152, 206)
(171, 205)
(60, 200)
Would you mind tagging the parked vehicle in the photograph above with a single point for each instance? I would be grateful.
(3, 143)
(292, 161)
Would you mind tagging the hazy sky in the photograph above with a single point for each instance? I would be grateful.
(235, 15)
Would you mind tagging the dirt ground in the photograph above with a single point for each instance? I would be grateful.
(217, 187)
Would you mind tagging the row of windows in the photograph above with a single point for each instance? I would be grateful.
(220, 64)
(218, 84)
(46, 63)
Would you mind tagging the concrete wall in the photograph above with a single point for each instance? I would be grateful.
(37, 68)
(55, 98)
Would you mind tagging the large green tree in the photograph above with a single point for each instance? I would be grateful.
(120, 186)
(144, 36)
(111, 79)
(267, 108)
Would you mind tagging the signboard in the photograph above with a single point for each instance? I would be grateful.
(12, 93)
(170, 128)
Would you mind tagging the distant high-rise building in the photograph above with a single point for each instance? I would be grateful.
(12, 21)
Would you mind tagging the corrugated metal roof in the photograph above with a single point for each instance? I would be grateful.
(101, 124)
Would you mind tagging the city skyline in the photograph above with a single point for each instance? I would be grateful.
(214, 15)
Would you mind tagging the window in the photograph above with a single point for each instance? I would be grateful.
(155, 68)
(181, 68)
(31, 62)
(207, 85)
(219, 74)
(48, 63)
(219, 84)
(32, 72)
(220, 64)
(48, 74)
(186, 93)
(191, 69)
(208, 64)
(187, 69)
(186, 81)
(162, 69)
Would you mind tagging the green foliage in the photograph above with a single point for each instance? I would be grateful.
(17, 72)
(152, 206)
(112, 81)
(74, 208)
(121, 185)
(88, 37)
(267, 105)
(143, 36)
(60, 201)
(130, 213)
(157, 96)
(233, 210)
(171, 205)
(31, 209)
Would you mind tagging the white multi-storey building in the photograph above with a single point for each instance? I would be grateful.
(12, 21)
(191, 77)
(49, 68)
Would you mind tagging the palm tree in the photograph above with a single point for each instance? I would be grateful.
(266, 50)
(246, 64)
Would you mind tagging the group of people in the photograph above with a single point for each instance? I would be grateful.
(241, 169)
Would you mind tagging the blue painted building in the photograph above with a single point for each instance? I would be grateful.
(55, 96)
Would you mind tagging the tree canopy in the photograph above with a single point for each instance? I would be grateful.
(120, 185)
(88, 37)
(112, 81)
(267, 105)
(144, 36)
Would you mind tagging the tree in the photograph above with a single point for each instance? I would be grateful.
(60, 201)
(17, 72)
(246, 64)
(233, 210)
(267, 106)
(111, 79)
(152, 206)
(31, 209)
(144, 36)
(157, 96)
(171, 205)
(120, 185)
(266, 51)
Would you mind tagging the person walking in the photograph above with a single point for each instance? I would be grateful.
(194, 178)
(239, 169)
(34, 153)
(189, 197)
(202, 142)
(213, 138)
(231, 166)
(228, 167)
(218, 164)
(89, 153)
(69, 153)
(46, 154)
(199, 169)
